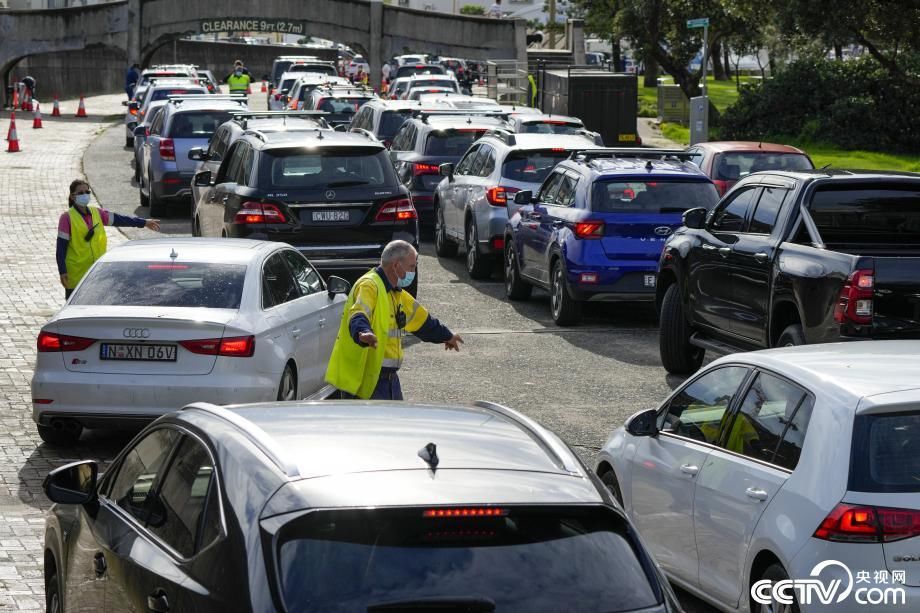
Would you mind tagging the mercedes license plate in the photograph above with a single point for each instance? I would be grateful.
(144, 353)
(330, 215)
(649, 280)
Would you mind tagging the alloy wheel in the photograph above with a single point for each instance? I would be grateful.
(471, 247)
(439, 229)
(287, 389)
(556, 297)
(509, 269)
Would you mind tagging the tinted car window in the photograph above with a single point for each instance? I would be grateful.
(299, 169)
(886, 453)
(531, 166)
(278, 285)
(163, 284)
(341, 105)
(551, 188)
(566, 194)
(790, 448)
(731, 217)
(652, 196)
(771, 199)
(699, 410)
(451, 142)
(550, 127)
(734, 165)
(133, 485)
(305, 275)
(163, 94)
(867, 214)
(196, 125)
(390, 121)
(356, 560)
(467, 162)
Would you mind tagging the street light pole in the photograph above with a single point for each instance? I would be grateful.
(705, 54)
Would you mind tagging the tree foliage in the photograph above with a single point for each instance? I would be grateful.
(472, 9)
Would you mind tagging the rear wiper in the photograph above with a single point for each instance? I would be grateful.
(346, 183)
(468, 605)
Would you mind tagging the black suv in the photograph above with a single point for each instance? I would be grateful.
(344, 506)
(334, 196)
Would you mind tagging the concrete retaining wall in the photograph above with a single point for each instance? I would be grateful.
(67, 74)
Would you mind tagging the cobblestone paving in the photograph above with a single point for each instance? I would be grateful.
(33, 193)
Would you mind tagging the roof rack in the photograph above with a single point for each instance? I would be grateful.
(244, 116)
(180, 98)
(631, 152)
(504, 136)
(424, 114)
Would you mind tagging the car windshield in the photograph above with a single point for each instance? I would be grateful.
(531, 166)
(331, 168)
(867, 214)
(550, 127)
(452, 142)
(162, 284)
(163, 94)
(362, 560)
(314, 68)
(659, 196)
(732, 166)
(440, 83)
(197, 124)
(886, 453)
(390, 122)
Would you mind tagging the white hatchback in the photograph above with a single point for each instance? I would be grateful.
(797, 463)
(158, 324)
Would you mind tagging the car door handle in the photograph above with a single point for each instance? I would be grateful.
(761, 257)
(708, 247)
(99, 565)
(295, 332)
(690, 469)
(725, 251)
(756, 493)
(157, 601)
(558, 224)
(224, 199)
(322, 322)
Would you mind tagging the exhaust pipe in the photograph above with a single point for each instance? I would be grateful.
(67, 424)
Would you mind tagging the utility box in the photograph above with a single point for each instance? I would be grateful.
(606, 101)
(699, 119)
(673, 105)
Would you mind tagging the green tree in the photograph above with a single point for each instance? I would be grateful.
(600, 21)
(472, 9)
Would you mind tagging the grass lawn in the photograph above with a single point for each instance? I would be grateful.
(722, 94)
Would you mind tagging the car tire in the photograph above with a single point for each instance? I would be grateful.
(792, 336)
(287, 387)
(678, 356)
(774, 573)
(129, 142)
(53, 597)
(565, 309)
(609, 479)
(516, 288)
(478, 265)
(196, 227)
(63, 437)
(157, 204)
(443, 246)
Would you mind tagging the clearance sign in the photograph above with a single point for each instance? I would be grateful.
(251, 24)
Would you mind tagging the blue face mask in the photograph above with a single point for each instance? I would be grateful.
(407, 280)
(81, 199)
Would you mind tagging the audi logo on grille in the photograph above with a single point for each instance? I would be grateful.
(135, 333)
(662, 230)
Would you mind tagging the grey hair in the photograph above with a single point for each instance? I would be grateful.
(396, 251)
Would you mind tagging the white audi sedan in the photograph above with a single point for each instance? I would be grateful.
(157, 324)
(799, 463)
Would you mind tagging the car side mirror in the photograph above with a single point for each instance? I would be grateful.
(132, 105)
(694, 219)
(337, 285)
(197, 153)
(523, 197)
(73, 483)
(203, 179)
(341, 128)
(643, 423)
(446, 170)
(140, 131)
(124, 103)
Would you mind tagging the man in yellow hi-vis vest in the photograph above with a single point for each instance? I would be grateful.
(368, 349)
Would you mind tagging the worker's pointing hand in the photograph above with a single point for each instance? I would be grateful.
(368, 338)
(454, 343)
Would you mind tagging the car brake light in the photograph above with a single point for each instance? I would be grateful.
(259, 212)
(424, 169)
(50, 342)
(498, 195)
(167, 149)
(855, 302)
(277, 96)
(558, 149)
(232, 347)
(721, 186)
(498, 243)
(396, 210)
(864, 524)
(42, 401)
(132, 111)
(167, 266)
(466, 512)
(589, 229)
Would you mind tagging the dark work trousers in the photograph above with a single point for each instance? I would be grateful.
(67, 293)
(388, 387)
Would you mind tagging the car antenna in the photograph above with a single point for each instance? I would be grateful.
(319, 134)
(826, 166)
(429, 453)
(173, 255)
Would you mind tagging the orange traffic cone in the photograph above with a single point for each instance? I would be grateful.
(37, 119)
(14, 140)
(27, 104)
(12, 123)
(81, 111)
(264, 88)
(15, 98)
(56, 111)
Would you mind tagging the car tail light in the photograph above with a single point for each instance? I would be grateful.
(232, 347)
(277, 96)
(42, 401)
(167, 266)
(498, 195)
(419, 169)
(293, 105)
(167, 149)
(132, 111)
(50, 342)
(259, 212)
(864, 524)
(589, 229)
(721, 186)
(498, 243)
(396, 210)
(855, 302)
(466, 512)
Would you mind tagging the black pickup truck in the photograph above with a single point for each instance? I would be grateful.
(788, 258)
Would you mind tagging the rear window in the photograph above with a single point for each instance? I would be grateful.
(551, 127)
(286, 85)
(353, 167)
(362, 560)
(341, 105)
(390, 122)
(163, 94)
(531, 166)
(652, 196)
(733, 166)
(886, 453)
(315, 68)
(451, 142)
(408, 71)
(433, 83)
(867, 214)
(163, 284)
(197, 124)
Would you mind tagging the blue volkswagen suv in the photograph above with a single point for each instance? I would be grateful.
(595, 229)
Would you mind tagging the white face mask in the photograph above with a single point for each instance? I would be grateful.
(82, 199)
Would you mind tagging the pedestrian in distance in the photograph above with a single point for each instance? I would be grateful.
(131, 79)
(368, 350)
(496, 9)
(30, 85)
(81, 234)
(238, 80)
(237, 65)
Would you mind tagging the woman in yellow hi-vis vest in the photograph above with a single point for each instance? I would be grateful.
(81, 234)
(368, 349)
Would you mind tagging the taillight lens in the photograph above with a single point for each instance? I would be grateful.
(258, 213)
(498, 195)
(133, 111)
(277, 96)
(864, 524)
(589, 229)
(232, 347)
(721, 186)
(167, 149)
(466, 512)
(50, 342)
(855, 304)
(419, 169)
(396, 210)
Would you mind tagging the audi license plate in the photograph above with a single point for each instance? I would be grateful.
(649, 280)
(331, 215)
(124, 351)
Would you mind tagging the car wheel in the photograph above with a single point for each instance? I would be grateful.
(157, 204)
(609, 479)
(145, 200)
(565, 309)
(515, 287)
(478, 265)
(443, 246)
(678, 356)
(61, 435)
(774, 573)
(196, 226)
(287, 389)
(53, 592)
(792, 336)
(129, 142)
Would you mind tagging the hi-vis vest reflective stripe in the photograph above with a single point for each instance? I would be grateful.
(353, 368)
(82, 253)
(238, 83)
